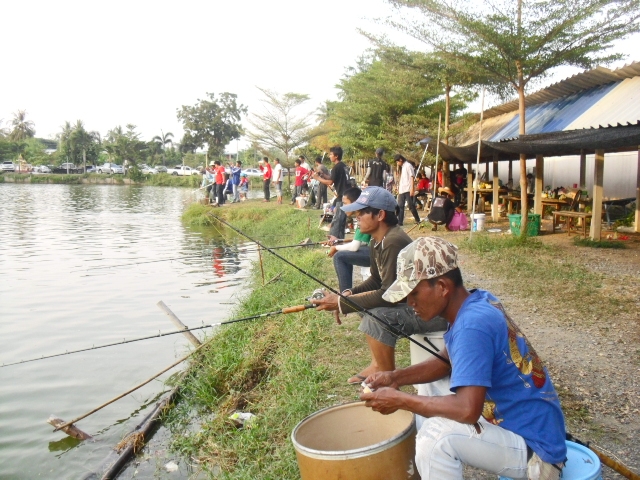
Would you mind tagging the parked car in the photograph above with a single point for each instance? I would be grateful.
(111, 168)
(146, 169)
(41, 169)
(161, 168)
(68, 166)
(182, 170)
(252, 172)
(8, 166)
(92, 169)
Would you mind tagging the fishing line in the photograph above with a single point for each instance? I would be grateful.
(297, 308)
(391, 329)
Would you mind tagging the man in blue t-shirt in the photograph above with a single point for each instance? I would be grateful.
(504, 415)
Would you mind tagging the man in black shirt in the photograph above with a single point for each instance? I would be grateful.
(338, 180)
(375, 170)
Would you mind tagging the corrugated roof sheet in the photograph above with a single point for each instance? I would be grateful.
(621, 105)
(556, 115)
(599, 97)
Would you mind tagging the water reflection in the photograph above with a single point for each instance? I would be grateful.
(52, 299)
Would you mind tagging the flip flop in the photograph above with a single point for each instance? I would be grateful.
(356, 380)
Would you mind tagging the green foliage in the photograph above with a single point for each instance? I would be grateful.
(587, 242)
(213, 122)
(511, 42)
(135, 174)
(122, 145)
(164, 180)
(386, 102)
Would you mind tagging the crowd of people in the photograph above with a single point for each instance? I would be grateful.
(501, 413)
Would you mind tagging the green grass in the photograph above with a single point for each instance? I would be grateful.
(282, 368)
(587, 242)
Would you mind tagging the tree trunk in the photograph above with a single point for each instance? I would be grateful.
(447, 112)
(84, 160)
(523, 158)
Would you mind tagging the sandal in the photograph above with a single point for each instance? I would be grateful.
(356, 380)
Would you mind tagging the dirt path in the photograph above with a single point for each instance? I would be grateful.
(592, 350)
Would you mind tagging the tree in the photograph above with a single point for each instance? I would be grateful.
(162, 140)
(513, 42)
(213, 122)
(387, 103)
(123, 145)
(85, 141)
(279, 126)
(22, 128)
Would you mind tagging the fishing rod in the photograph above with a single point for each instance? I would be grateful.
(149, 261)
(311, 244)
(393, 330)
(282, 311)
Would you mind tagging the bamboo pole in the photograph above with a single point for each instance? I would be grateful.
(261, 266)
(140, 385)
(476, 182)
(179, 325)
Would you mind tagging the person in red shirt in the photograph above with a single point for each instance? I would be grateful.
(218, 172)
(266, 177)
(301, 177)
(424, 185)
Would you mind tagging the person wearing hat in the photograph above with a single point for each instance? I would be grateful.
(504, 415)
(406, 189)
(376, 213)
(442, 209)
(374, 177)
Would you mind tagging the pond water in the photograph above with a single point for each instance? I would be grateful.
(83, 266)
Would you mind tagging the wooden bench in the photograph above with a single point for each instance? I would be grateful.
(570, 217)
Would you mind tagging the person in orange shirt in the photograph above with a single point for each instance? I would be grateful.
(219, 176)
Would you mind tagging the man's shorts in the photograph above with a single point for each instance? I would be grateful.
(279, 189)
(403, 318)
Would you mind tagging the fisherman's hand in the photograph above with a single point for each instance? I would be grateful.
(329, 303)
(332, 251)
(381, 379)
(331, 240)
(385, 400)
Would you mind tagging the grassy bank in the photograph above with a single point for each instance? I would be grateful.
(281, 368)
(160, 179)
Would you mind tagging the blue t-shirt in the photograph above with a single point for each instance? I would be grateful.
(487, 349)
(235, 175)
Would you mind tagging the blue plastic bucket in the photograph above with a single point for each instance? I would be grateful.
(582, 464)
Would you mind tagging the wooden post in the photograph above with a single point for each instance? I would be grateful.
(583, 169)
(638, 194)
(261, 266)
(537, 199)
(496, 186)
(510, 179)
(179, 325)
(470, 187)
(598, 177)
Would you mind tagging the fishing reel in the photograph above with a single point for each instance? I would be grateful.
(317, 294)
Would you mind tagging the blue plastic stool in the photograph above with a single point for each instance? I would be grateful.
(582, 464)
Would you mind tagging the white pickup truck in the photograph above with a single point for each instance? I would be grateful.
(182, 170)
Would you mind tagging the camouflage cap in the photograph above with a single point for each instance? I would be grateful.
(424, 258)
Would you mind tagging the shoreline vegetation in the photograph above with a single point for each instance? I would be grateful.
(287, 367)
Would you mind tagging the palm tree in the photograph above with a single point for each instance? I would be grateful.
(162, 141)
(22, 128)
(3, 131)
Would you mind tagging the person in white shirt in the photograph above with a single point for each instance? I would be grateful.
(406, 189)
(277, 179)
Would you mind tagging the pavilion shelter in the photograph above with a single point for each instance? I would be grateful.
(593, 113)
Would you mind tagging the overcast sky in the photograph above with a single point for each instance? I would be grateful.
(116, 62)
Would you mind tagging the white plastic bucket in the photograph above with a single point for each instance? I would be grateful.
(419, 355)
(301, 202)
(477, 222)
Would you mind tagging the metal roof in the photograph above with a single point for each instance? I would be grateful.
(599, 97)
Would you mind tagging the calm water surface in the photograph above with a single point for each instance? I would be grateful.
(67, 282)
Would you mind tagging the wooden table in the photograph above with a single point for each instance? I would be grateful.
(514, 201)
(554, 202)
(486, 193)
